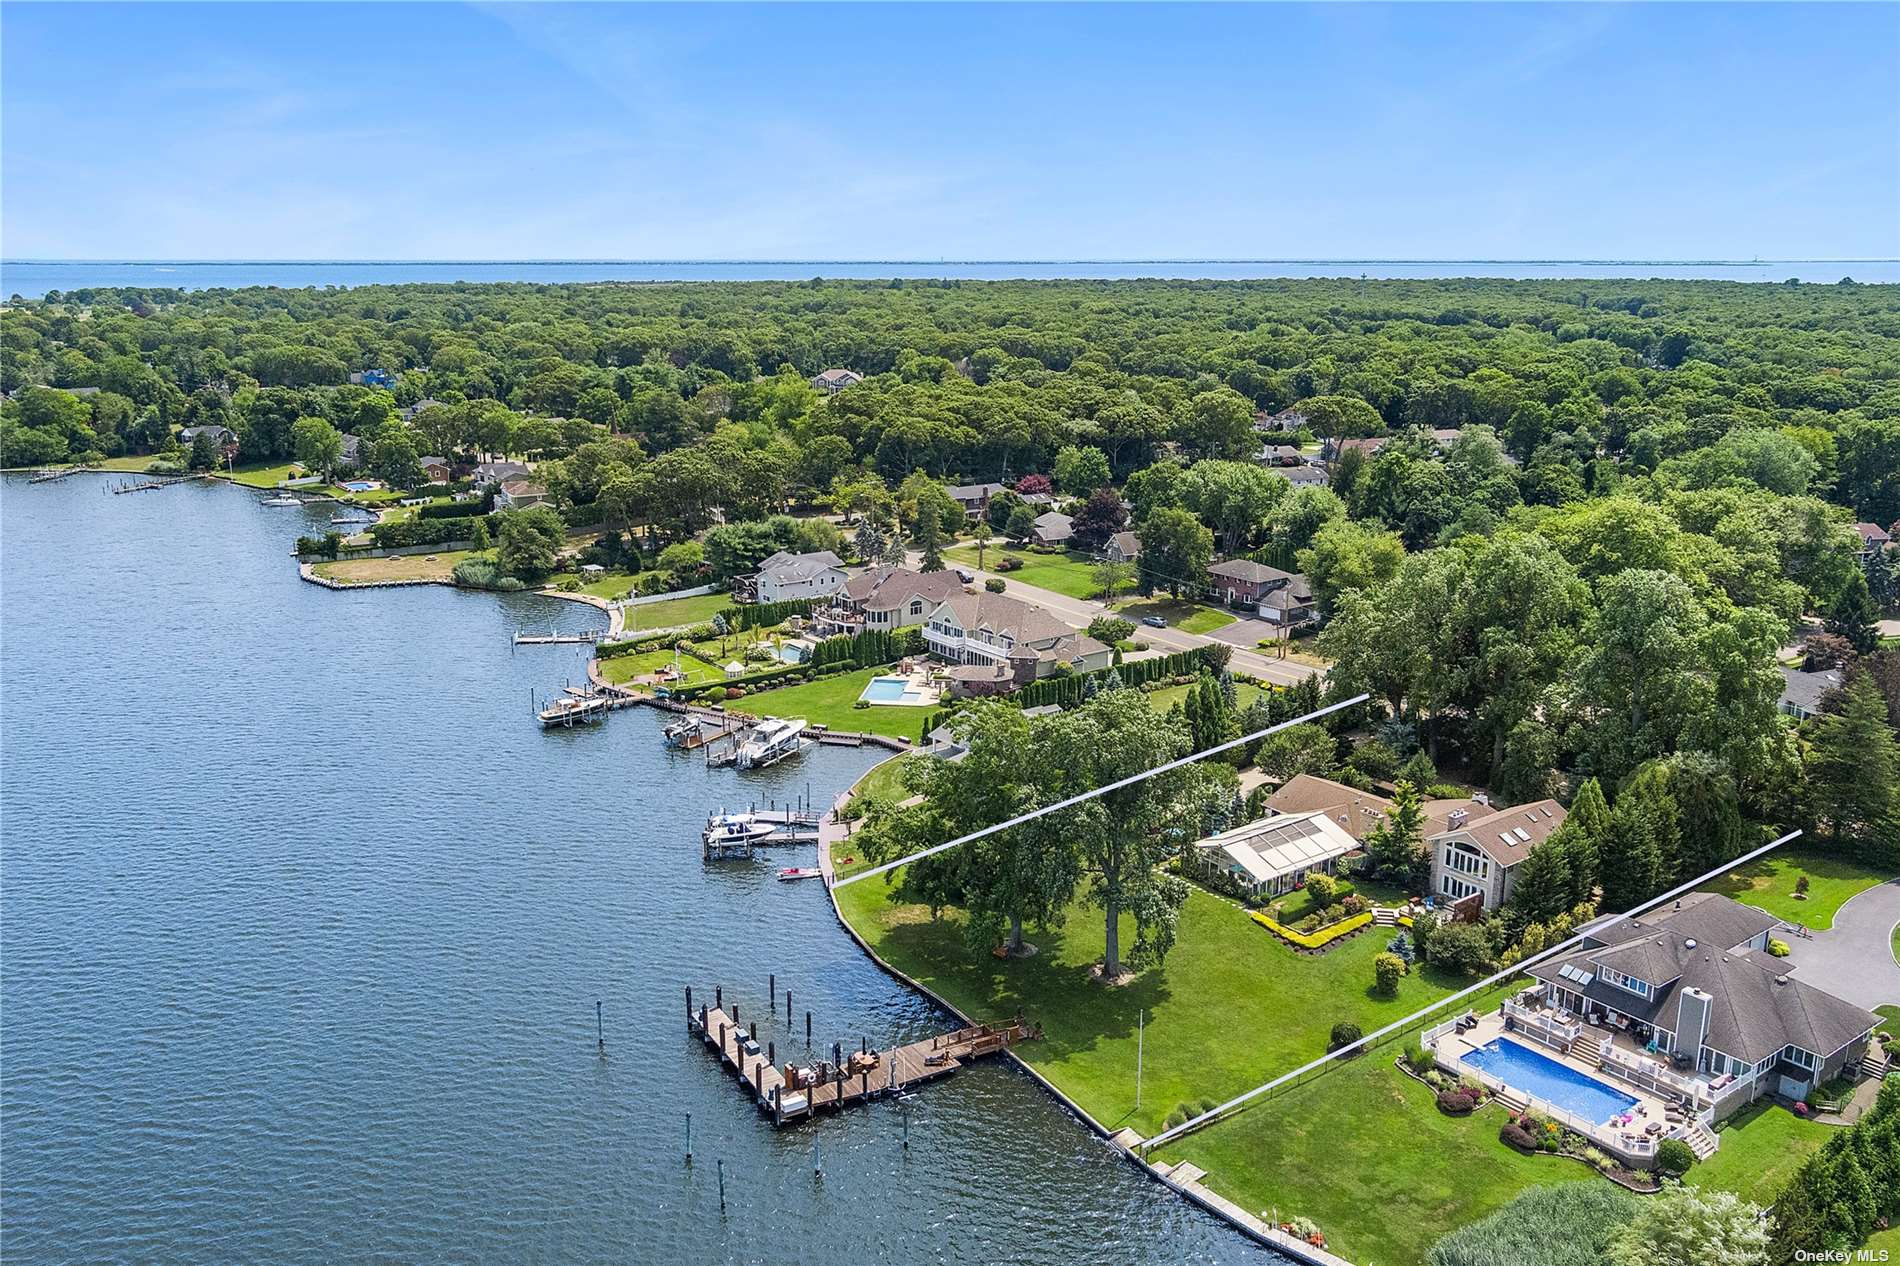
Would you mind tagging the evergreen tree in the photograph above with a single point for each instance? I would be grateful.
(1851, 769)
(1652, 785)
(930, 541)
(1709, 813)
(1630, 867)
(1853, 615)
(1397, 845)
(1543, 887)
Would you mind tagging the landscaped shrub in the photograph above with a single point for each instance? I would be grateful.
(1417, 1058)
(1387, 971)
(1353, 903)
(1457, 1103)
(1777, 947)
(1517, 1136)
(995, 584)
(480, 573)
(1184, 1112)
(1009, 564)
(1311, 940)
(1673, 1157)
(1345, 1033)
(1321, 888)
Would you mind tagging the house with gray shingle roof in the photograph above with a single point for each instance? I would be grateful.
(786, 576)
(1696, 980)
(1005, 642)
(1801, 691)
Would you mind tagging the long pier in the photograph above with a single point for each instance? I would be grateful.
(793, 1092)
(557, 639)
(789, 826)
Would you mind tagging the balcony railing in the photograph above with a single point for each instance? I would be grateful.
(1653, 1075)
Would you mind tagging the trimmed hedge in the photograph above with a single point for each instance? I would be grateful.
(652, 641)
(450, 510)
(1461, 1102)
(1315, 940)
(760, 615)
(762, 677)
(426, 531)
(1073, 689)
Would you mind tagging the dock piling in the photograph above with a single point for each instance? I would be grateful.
(689, 1138)
(689, 1006)
(600, 1029)
(722, 1184)
(788, 1008)
(808, 1030)
(771, 987)
(771, 1054)
(817, 1160)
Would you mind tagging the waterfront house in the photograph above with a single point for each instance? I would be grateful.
(1696, 981)
(832, 381)
(1123, 547)
(1005, 642)
(519, 494)
(1801, 691)
(1052, 530)
(1241, 582)
(1275, 854)
(1476, 856)
(1873, 539)
(355, 450)
(974, 498)
(786, 576)
(225, 438)
(494, 474)
(436, 469)
(884, 599)
(1357, 812)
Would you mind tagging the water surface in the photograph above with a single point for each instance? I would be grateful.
(304, 920)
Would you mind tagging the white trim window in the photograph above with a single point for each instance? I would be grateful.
(1801, 1058)
(1456, 888)
(1628, 984)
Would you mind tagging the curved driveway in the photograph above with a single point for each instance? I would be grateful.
(1854, 959)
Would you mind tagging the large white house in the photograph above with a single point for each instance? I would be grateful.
(785, 576)
(1000, 643)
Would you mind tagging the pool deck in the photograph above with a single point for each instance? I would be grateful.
(1451, 1048)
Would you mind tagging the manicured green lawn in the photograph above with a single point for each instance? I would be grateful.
(265, 476)
(368, 571)
(1768, 883)
(1890, 1014)
(1366, 1154)
(1230, 1008)
(677, 611)
(1762, 1146)
(1896, 942)
(1166, 697)
(1189, 617)
(624, 668)
(613, 585)
(828, 701)
(884, 784)
(1072, 573)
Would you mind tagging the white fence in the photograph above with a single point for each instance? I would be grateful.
(1630, 1146)
(625, 603)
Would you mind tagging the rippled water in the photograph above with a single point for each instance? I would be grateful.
(302, 922)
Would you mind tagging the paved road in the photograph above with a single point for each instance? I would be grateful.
(1854, 959)
(1080, 611)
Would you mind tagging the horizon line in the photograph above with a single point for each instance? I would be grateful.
(1198, 259)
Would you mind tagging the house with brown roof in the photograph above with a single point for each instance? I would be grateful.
(519, 494)
(1006, 642)
(1695, 980)
(1356, 812)
(1241, 582)
(886, 598)
(1123, 547)
(1284, 421)
(1873, 538)
(832, 381)
(1475, 857)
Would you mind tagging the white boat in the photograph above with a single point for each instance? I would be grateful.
(681, 730)
(799, 872)
(770, 742)
(735, 828)
(280, 501)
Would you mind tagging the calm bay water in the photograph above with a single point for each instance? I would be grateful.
(33, 278)
(302, 922)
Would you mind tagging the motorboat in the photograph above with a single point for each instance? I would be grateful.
(771, 742)
(736, 828)
(280, 500)
(679, 731)
(799, 872)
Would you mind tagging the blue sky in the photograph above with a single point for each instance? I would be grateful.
(310, 131)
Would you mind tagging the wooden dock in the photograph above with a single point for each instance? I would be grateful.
(793, 1091)
(556, 639)
(789, 826)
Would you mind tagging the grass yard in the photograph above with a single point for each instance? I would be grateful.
(1230, 1008)
(678, 611)
(624, 668)
(1072, 573)
(884, 784)
(1768, 884)
(1890, 1014)
(612, 586)
(1365, 1153)
(255, 476)
(828, 701)
(1762, 1146)
(1166, 697)
(368, 571)
(1189, 617)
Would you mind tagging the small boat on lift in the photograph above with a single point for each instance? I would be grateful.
(679, 731)
(282, 499)
(799, 872)
(735, 828)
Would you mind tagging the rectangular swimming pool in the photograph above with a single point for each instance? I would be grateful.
(1541, 1077)
(887, 690)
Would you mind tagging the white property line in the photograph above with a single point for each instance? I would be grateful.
(1129, 781)
(1591, 930)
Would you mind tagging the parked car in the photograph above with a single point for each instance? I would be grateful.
(967, 576)
(1154, 621)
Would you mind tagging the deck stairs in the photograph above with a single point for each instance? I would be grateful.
(1872, 1065)
(1512, 1100)
(1385, 917)
(1700, 1138)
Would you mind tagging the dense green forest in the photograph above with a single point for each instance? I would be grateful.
(1651, 487)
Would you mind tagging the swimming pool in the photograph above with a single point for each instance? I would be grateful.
(360, 485)
(1541, 1077)
(899, 691)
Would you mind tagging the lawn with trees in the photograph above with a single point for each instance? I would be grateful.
(1801, 885)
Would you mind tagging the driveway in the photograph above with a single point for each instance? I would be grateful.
(1080, 611)
(1854, 959)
